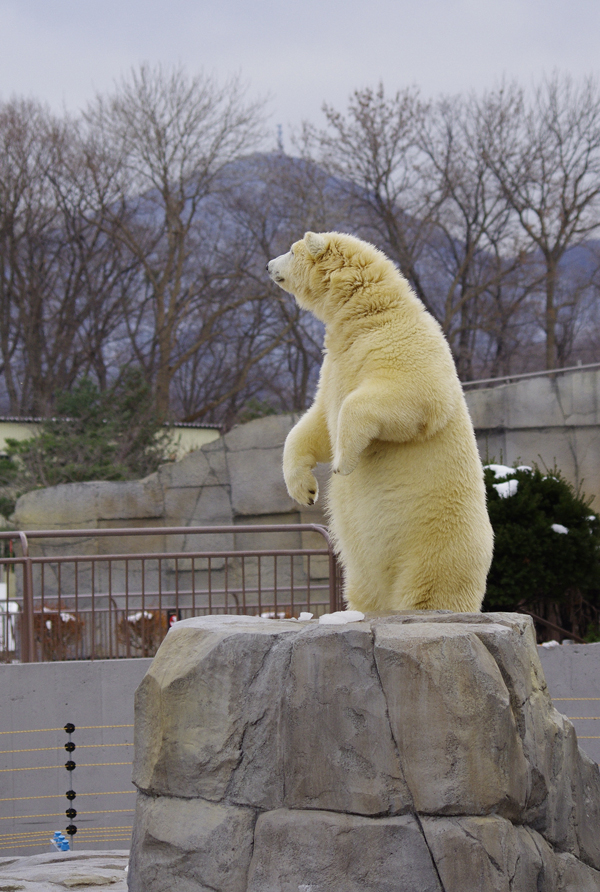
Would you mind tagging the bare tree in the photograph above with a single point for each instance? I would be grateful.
(419, 186)
(24, 214)
(545, 154)
(468, 225)
(138, 235)
(169, 139)
(61, 281)
(272, 206)
(373, 153)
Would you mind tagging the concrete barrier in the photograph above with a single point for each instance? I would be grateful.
(36, 701)
(47, 695)
(238, 478)
(551, 419)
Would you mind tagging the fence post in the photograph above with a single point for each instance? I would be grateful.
(70, 765)
(27, 632)
(333, 579)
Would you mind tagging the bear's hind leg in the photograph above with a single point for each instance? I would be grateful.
(436, 594)
(358, 594)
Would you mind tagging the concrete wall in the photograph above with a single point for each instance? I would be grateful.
(237, 478)
(17, 429)
(234, 480)
(573, 675)
(548, 420)
(186, 439)
(36, 701)
(47, 695)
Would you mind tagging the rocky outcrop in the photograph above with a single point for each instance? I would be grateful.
(235, 478)
(407, 752)
(83, 871)
(553, 419)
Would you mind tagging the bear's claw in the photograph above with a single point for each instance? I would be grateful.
(302, 487)
(344, 466)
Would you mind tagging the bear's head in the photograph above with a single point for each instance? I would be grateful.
(325, 270)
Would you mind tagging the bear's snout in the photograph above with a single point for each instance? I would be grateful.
(273, 272)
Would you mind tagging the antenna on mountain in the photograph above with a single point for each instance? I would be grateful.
(280, 147)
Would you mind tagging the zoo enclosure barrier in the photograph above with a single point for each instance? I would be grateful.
(541, 373)
(63, 598)
(79, 784)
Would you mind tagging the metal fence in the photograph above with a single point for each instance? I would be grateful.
(542, 373)
(63, 598)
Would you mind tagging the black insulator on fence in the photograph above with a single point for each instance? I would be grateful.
(70, 766)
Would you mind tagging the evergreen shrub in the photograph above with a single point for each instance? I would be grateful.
(546, 550)
(96, 435)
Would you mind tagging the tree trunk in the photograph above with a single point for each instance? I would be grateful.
(550, 312)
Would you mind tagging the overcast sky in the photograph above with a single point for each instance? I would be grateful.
(300, 53)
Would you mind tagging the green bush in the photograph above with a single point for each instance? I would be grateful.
(109, 435)
(546, 549)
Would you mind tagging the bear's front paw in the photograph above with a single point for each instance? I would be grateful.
(344, 464)
(302, 487)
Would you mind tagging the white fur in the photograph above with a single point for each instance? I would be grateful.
(406, 499)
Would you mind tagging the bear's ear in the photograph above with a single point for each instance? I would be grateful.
(315, 244)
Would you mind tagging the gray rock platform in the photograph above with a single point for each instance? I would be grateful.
(408, 752)
(53, 872)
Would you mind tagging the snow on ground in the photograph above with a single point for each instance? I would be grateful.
(340, 617)
(500, 470)
(136, 617)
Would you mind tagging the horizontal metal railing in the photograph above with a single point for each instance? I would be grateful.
(542, 373)
(80, 605)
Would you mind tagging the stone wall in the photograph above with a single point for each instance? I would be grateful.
(414, 751)
(84, 693)
(235, 479)
(238, 478)
(549, 419)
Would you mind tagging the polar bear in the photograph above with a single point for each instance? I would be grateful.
(406, 499)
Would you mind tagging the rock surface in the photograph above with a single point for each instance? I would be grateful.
(408, 752)
(52, 872)
(237, 476)
(548, 419)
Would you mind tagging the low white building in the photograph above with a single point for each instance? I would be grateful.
(185, 437)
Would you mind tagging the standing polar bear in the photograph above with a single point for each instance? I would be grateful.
(406, 499)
